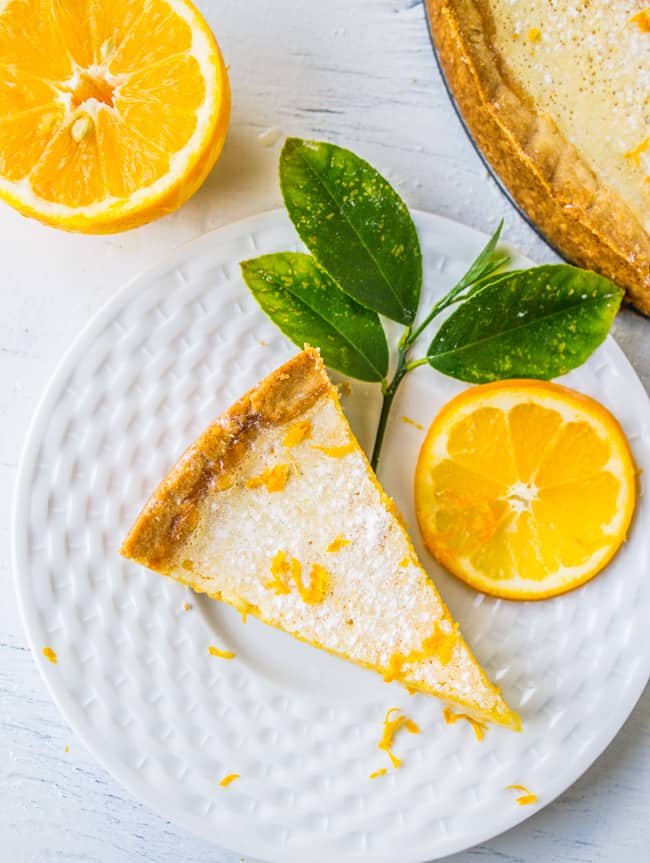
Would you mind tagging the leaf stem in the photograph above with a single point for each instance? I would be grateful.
(404, 340)
(488, 262)
(387, 402)
(442, 304)
(415, 363)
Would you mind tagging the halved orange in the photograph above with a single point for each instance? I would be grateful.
(524, 489)
(112, 112)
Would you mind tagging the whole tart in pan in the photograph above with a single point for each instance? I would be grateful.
(556, 94)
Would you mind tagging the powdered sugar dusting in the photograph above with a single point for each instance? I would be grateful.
(374, 608)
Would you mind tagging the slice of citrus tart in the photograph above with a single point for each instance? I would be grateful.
(275, 510)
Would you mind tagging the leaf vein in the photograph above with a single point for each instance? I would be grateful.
(357, 348)
(355, 232)
(495, 336)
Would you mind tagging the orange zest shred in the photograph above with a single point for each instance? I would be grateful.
(243, 607)
(338, 543)
(635, 154)
(391, 727)
(411, 422)
(284, 571)
(319, 579)
(527, 796)
(274, 478)
(381, 772)
(228, 779)
(534, 34)
(48, 653)
(222, 654)
(297, 433)
(439, 645)
(478, 727)
(336, 451)
(642, 20)
(279, 569)
(67, 748)
(404, 562)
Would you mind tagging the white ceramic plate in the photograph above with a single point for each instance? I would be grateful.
(134, 677)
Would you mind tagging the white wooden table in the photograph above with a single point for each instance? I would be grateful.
(360, 73)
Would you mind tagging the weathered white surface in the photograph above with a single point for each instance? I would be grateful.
(361, 73)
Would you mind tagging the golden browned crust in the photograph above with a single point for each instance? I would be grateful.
(209, 463)
(585, 219)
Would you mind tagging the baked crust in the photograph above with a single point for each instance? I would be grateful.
(579, 215)
(210, 462)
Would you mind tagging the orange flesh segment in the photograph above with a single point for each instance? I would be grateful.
(31, 42)
(531, 427)
(493, 459)
(167, 35)
(70, 169)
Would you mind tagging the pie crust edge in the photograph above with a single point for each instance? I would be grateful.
(172, 510)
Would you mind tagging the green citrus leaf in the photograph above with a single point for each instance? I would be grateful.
(537, 323)
(309, 307)
(355, 224)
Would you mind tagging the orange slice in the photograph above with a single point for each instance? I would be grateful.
(524, 489)
(112, 112)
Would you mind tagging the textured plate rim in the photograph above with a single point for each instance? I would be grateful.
(193, 825)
